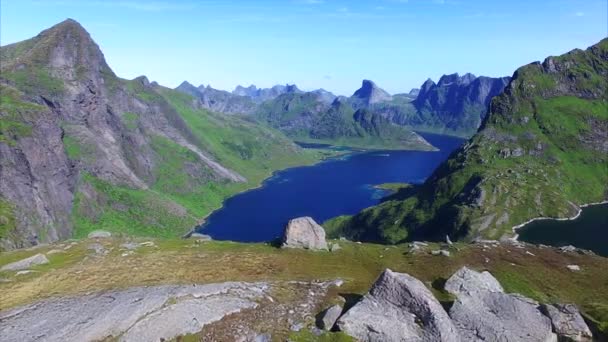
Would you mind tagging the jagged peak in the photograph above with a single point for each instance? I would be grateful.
(371, 93)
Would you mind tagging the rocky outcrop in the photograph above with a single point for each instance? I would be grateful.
(567, 322)
(398, 307)
(483, 312)
(38, 259)
(304, 232)
(137, 314)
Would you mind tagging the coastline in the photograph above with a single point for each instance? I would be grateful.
(260, 185)
(542, 218)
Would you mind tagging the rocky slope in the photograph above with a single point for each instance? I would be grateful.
(541, 152)
(81, 148)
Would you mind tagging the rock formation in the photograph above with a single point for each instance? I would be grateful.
(398, 307)
(483, 312)
(304, 232)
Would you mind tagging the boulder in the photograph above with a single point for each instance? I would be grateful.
(466, 281)
(38, 259)
(199, 236)
(329, 317)
(483, 312)
(304, 232)
(574, 268)
(334, 247)
(99, 234)
(567, 322)
(398, 307)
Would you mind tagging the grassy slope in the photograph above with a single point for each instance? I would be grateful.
(249, 149)
(562, 163)
(543, 276)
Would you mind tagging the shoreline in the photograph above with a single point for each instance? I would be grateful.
(258, 186)
(542, 218)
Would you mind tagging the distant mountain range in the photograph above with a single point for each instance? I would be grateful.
(456, 105)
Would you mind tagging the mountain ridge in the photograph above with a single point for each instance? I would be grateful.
(542, 150)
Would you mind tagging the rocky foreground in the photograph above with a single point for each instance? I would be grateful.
(398, 307)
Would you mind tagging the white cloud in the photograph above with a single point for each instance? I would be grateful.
(579, 14)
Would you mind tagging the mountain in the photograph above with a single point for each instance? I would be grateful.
(542, 151)
(457, 103)
(309, 117)
(219, 101)
(82, 149)
(260, 95)
(369, 94)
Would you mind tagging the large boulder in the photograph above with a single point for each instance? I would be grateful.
(483, 312)
(398, 307)
(567, 322)
(38, 259)
(304, 232)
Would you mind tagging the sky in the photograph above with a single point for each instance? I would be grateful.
(330, 44)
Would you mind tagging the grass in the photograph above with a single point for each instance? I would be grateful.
(7, 218)
(14, 115)
(130, 120)
(543, 277)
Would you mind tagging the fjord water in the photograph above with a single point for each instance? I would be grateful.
(588, 231)
(338, 186)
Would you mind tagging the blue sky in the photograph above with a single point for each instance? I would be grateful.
(331, 44)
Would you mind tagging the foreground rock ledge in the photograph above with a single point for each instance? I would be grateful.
(137, 314)
(304, 232)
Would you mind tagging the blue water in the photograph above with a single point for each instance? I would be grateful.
(339, 186)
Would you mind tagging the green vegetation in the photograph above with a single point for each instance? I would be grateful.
(540, 152)
(130, 120)
(183, 188)
(7, 218)
(14, 115)
(35, 80)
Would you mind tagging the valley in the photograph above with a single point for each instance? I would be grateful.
(471, 208)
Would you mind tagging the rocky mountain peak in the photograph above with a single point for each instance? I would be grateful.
(370, 93)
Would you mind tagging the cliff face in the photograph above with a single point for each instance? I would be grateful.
(458, 102)
(541, 151)
(78, 144)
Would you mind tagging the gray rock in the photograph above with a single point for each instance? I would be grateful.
(38, 259)
(99, 234)
(329, 317)
(199, 236)
(483, 312)
(304, 232)
(567, 322)
(574, 268)
(468, 282)
(334, 247)
(398, 308)
(441, 252)
(136, 314)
